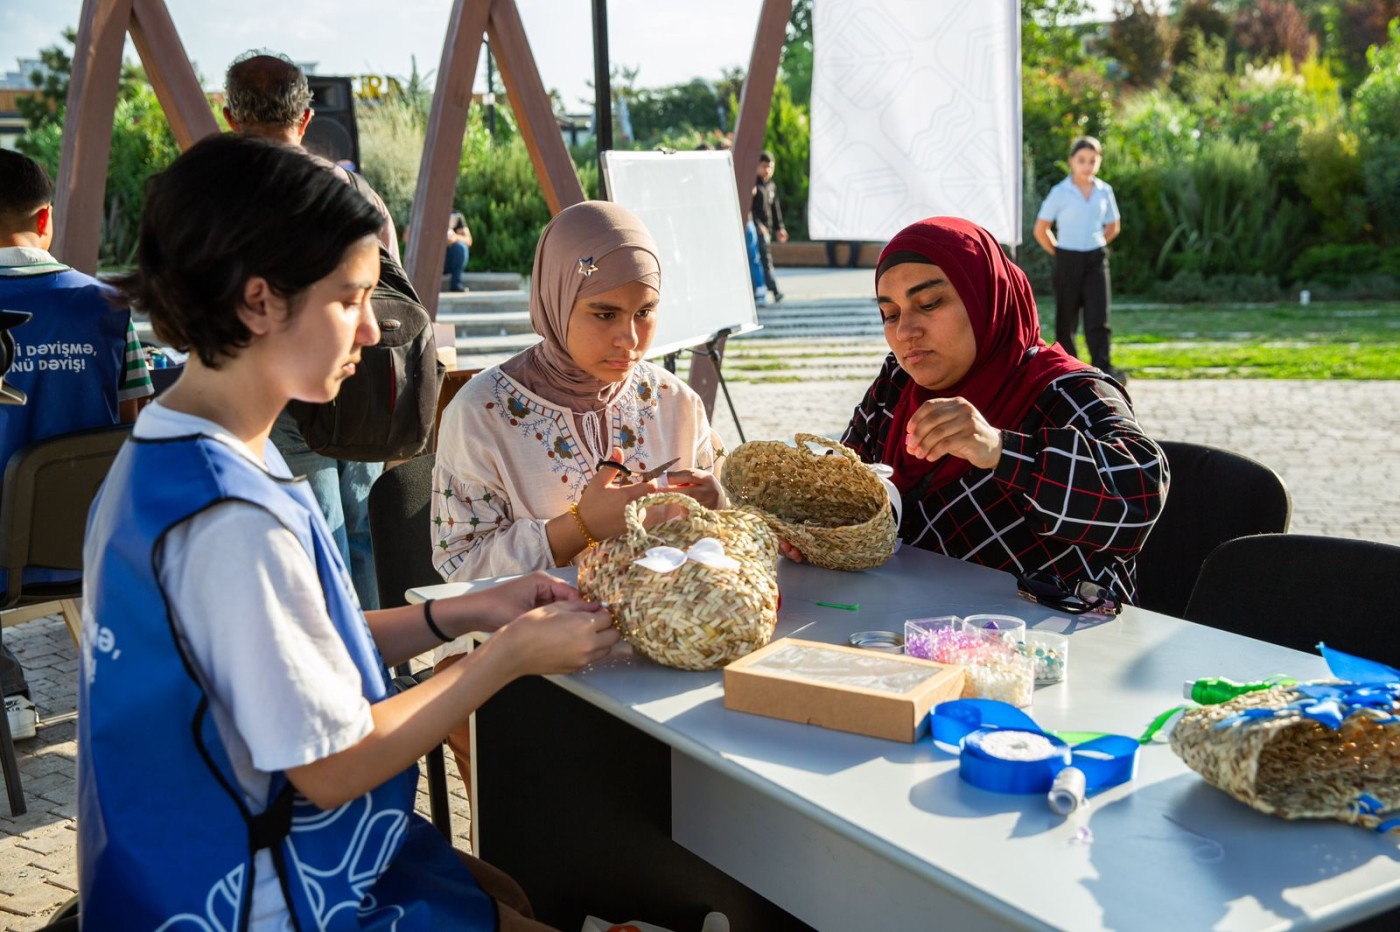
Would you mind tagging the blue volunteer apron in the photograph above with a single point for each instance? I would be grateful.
(165, 840)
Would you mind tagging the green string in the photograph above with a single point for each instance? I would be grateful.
(1209, 691)
(1158, 722)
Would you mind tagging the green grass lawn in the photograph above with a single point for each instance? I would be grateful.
(1271, 341)
(1157, 341)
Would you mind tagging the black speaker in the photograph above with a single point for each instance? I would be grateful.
(332, 132)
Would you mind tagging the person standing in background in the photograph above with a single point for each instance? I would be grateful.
(1086, 219)
(768, 218)
(268, 96)
(459, 250)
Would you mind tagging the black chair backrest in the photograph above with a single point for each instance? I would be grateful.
(400, 508)
(1298, 589)
(1215, 496)
(49, 487)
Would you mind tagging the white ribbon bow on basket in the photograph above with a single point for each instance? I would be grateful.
(884, 473)
(707, 551)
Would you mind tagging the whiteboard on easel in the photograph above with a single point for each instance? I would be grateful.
(689, 203)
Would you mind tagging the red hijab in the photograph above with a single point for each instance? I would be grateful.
(1013, 364)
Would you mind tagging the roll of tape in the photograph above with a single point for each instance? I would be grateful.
(1068, 791)
(1002, 749)
(1008, 760)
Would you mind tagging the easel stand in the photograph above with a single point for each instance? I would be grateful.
(714, 352)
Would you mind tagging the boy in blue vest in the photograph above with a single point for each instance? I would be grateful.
(242, 761)
(77, 358)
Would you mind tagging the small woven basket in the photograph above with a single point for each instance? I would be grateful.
(832, 508)
(1295, 767)
(695, 617)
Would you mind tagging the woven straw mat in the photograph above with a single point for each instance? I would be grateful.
(695, 617)
(832, 508)
(1292, 766)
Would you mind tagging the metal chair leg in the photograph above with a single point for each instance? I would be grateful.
(439, 806)
(11, 767)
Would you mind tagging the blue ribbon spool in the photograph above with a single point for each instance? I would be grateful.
(963, 725)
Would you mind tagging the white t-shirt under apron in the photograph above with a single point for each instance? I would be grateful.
(248, 604)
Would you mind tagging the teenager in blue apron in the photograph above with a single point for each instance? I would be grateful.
(243, 761)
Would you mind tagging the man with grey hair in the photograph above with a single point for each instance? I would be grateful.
(267, 95)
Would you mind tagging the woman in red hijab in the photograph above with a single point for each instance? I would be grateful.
(1007, 452)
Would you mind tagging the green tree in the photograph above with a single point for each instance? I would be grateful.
(1198, 21)
(1355, 27)
(1274, 28)
(142, 143)
(49, 101)
(1052, 34)
(691, 107)
(789, 137)
(1139, 38)
(796, 62)
(1376, 116)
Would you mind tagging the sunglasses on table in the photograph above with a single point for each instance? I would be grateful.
(1077, 599)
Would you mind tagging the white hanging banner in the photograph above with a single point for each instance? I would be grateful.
(916, 112)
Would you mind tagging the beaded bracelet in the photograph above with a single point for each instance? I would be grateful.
(432, 625)
(589, 540)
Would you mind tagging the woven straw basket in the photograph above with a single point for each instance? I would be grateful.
(1294, 767)
(696, 617)
(832, 508)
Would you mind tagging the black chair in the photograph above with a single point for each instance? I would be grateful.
(400, 505)
(1215, 496)
(1298, 589)
(49, 487)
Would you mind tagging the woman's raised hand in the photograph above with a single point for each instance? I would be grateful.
(605, 498)
(952, 427)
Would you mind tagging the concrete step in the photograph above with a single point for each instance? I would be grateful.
(487, 281)
(516, 300)
(486, 323)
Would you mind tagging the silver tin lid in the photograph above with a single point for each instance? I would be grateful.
(891, 642)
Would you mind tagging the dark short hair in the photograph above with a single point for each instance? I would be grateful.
(230, 208)
(24, 188)
(765, 156)
(1085, 142)
(266, 89)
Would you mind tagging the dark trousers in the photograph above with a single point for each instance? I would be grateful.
(765, 259)
(1081, 281)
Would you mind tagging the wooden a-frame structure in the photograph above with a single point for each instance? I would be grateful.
(92, 101)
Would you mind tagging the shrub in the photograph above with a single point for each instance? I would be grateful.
(391, 149)
(789, 137)
(1226, 215)
(1334, 264)
(1333, 183)
(1374, 286)
(1192, 287)
(1376, 114)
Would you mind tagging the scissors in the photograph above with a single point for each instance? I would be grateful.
(647, 476)
(651, 474)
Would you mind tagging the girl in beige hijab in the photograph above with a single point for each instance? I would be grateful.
(521, 481)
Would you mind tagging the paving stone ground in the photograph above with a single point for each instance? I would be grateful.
(1336, 444)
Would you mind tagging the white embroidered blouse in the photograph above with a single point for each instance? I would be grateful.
(508, 461)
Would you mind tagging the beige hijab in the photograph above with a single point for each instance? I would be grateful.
(587, 249)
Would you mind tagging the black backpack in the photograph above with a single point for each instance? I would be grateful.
(385, 410)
